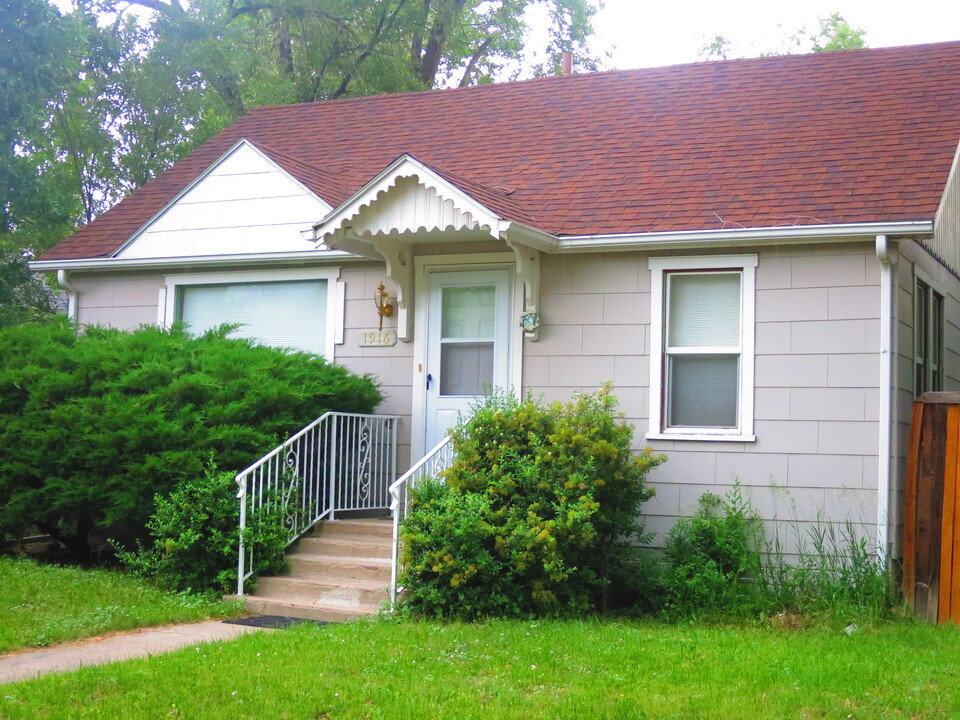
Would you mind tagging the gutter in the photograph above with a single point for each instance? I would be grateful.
(63, 280)
(302, 257)
(700, 239)
(886, 254)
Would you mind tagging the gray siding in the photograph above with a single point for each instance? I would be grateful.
(912, 258)
(817, 370)
(120, 300)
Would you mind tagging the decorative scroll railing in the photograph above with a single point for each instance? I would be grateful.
(430, 466)
(340, 461)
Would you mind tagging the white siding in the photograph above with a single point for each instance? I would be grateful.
(245, 204)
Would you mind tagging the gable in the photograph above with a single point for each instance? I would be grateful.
(245, 203)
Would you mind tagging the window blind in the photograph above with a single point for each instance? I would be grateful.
(289, 314)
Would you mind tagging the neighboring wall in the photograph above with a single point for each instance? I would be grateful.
(817, 368)
(946, 225)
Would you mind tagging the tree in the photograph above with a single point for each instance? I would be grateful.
(834, 33)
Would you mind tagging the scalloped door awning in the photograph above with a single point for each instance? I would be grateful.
(409, 203)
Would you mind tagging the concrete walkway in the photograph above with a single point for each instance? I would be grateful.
(26, 664)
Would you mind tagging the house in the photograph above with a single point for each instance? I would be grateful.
(762, 255)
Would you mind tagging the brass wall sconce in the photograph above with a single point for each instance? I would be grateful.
(381, 298)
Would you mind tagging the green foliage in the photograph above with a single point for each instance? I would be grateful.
(833, 32)
(836, 575)
(23, 296)
(541, 505)
(93, 425)
(44, 604)
(510, 670)
(718, 563)
(713, 559)
(194, 540)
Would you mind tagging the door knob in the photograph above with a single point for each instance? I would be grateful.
(429, 380)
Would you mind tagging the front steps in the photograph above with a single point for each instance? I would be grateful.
(339, 573)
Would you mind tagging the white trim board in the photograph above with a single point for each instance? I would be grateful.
(335, 294)
(746, 264)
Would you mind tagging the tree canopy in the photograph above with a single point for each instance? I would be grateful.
(833, 32)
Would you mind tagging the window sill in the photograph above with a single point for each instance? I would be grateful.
(709, 437)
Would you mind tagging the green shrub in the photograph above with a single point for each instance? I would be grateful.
(714, 559)
(719, 563)
(194, 540)
(93, 425)
(540, 508)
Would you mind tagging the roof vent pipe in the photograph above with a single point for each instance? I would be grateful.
(567, 64)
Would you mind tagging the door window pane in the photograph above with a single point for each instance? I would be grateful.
(282, 314)
(466, 368)
(469, 312)
(703, 390)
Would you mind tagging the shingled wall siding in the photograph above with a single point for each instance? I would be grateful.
(124, 301)
(392, 366)
(912, 257)
(817, 372)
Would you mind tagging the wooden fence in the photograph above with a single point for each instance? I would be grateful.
(931, 542)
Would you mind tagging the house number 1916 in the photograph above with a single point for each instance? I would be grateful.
(377, 338)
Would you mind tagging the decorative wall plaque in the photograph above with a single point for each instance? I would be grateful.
(377, 338)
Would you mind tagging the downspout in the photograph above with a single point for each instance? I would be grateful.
(63, 280)
(886, 254)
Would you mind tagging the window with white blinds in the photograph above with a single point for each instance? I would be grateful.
(281, 314)
(296, 308)
(702, 335)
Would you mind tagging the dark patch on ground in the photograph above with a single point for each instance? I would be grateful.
(277, 622)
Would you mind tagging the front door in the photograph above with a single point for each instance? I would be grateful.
(468, 338)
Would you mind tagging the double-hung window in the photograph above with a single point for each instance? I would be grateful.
(296, 309)
(702, 338)
(927, 338)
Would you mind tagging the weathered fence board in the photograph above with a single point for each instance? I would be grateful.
(931, 560)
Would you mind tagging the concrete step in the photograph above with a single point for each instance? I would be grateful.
(359, 529)
(337, 567)
(323, 591)
(375, 547)
(310, 611)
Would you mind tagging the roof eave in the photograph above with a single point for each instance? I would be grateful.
(794, 235)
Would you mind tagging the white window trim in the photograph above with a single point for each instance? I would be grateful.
(335, 294)
(746, 265)
(933, 288)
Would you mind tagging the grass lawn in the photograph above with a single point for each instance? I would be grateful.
(526, 670)
(43, 604)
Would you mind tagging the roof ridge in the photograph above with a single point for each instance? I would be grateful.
(831, 56)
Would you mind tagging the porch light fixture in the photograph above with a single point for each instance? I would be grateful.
(381, 298)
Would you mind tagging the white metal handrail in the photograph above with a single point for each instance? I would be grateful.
(430, 465)
(340, 461)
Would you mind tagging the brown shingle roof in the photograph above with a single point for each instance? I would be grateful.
(842, 137)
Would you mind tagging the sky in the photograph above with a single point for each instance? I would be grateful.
(648, 33)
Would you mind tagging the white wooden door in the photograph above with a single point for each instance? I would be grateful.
(468, 339)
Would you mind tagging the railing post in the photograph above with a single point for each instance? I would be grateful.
(242, 496)
(334, 438)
